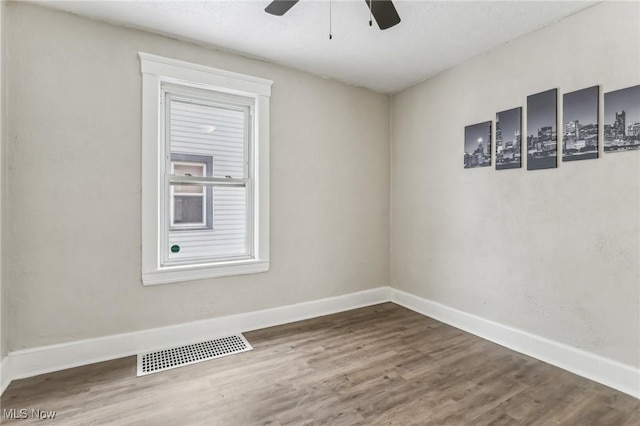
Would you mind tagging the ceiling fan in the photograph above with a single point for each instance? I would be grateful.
(383, 10)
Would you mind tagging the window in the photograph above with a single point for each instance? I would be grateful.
(205, 172)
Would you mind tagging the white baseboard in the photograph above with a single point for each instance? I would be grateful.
(622, 377)
(45, 359)
(5, 374)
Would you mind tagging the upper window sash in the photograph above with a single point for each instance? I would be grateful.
(172, 92)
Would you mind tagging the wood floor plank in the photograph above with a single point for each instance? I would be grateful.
(382, 365)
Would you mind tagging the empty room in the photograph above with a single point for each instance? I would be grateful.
(337, 212)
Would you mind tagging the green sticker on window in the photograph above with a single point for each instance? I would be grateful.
(175, 248)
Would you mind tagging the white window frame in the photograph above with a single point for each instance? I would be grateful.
(156, 71)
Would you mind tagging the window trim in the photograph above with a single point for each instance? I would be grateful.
(157, 70)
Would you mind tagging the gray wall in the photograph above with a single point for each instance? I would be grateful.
(4, 305)
(73, 257)
(552, 252)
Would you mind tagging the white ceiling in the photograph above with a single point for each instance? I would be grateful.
(433, 35)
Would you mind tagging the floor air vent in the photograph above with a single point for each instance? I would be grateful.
(166, 359)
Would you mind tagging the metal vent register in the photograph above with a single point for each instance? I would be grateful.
(166, 359)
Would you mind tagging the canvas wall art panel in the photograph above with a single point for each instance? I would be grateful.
(622, 120)
(477, 145)
(509, 139)
(580, 128)
(542, 141)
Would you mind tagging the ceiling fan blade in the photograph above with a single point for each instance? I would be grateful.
(280, 7)
(385, 13)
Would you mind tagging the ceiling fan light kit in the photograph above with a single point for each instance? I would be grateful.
(383, 11)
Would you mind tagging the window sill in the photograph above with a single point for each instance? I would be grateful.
(174, 274)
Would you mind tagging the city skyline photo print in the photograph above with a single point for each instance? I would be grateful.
(580, 129)
(622, 120)
(477, 145)
(509, 139)
(542, 141)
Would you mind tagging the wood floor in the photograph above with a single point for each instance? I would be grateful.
(382, 365)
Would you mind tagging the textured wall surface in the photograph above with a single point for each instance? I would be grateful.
(74, 174)
(4, 301)
(552, 252)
